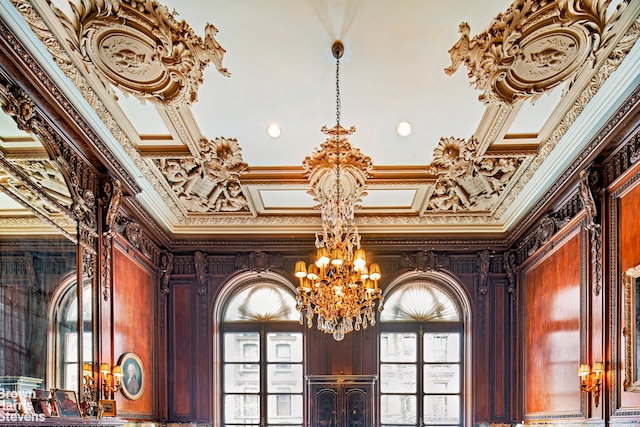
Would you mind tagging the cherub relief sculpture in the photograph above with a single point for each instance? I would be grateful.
(466, 181)
(210, 182)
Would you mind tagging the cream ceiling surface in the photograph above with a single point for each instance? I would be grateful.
(501, 98)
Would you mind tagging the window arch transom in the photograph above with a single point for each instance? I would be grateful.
(261, 302)
(421, 301)
(423, 350)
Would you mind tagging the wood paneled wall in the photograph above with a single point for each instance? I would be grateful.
(579, 269)
(193, 366)
(181, 348)
(134, 311)
(552, 327)
(625, 207)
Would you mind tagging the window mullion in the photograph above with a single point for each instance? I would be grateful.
(263, 377)
(420, 373)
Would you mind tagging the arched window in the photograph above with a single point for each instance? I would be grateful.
(63, 344)
(423, 352)
(260, 345)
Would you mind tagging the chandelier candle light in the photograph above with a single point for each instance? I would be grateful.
(338, 288)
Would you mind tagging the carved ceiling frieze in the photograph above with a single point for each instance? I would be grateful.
(532, 47)
(51, 206)
(139, 47)
(466, 181)
(211, 181)
(482, 199)
(48, 177)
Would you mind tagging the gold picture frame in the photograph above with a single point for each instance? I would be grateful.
(108, 408)
(66, 403)
(133, 376)
(631, 284)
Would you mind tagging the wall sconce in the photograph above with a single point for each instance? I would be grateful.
(88, 383)
(590, 380)
(111, 380)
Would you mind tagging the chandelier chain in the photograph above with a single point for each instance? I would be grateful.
(338, 113)
(338, 106)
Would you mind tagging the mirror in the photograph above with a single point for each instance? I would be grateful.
(631, 283)
(45, 317)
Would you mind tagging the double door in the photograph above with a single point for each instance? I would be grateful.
(341, 401)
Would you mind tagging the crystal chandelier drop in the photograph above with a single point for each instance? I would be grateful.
(339, 288)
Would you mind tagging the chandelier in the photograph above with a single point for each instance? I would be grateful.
(339, 287)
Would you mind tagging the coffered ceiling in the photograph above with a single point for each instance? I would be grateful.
(501, 99)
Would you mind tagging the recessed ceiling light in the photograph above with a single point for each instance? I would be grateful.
(403, 128)
(273, 130)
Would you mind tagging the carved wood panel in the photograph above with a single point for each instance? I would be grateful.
(554, 308)
(342, 401)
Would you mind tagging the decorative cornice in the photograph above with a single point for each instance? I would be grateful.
(595, 143)
(289, 245)
(137, 238)
(547, 226)
(606, 67)
(622, 160)
(64, 62)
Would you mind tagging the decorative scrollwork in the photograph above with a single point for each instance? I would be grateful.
(134, 234)
(466, 180)
(113, 196)
(591, 209)
(209, 182)
(141, 48)
(259, 261)
(166, 268)
(320, 167)
(509, 265)
(483, 263)
(113, 191)
(200, 259)
(531, 48)
(420, 261)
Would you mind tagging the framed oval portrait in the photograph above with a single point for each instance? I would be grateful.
(133, 376)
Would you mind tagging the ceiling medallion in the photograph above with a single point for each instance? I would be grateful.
(140, 47)
(530, 48)
(339, 288)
